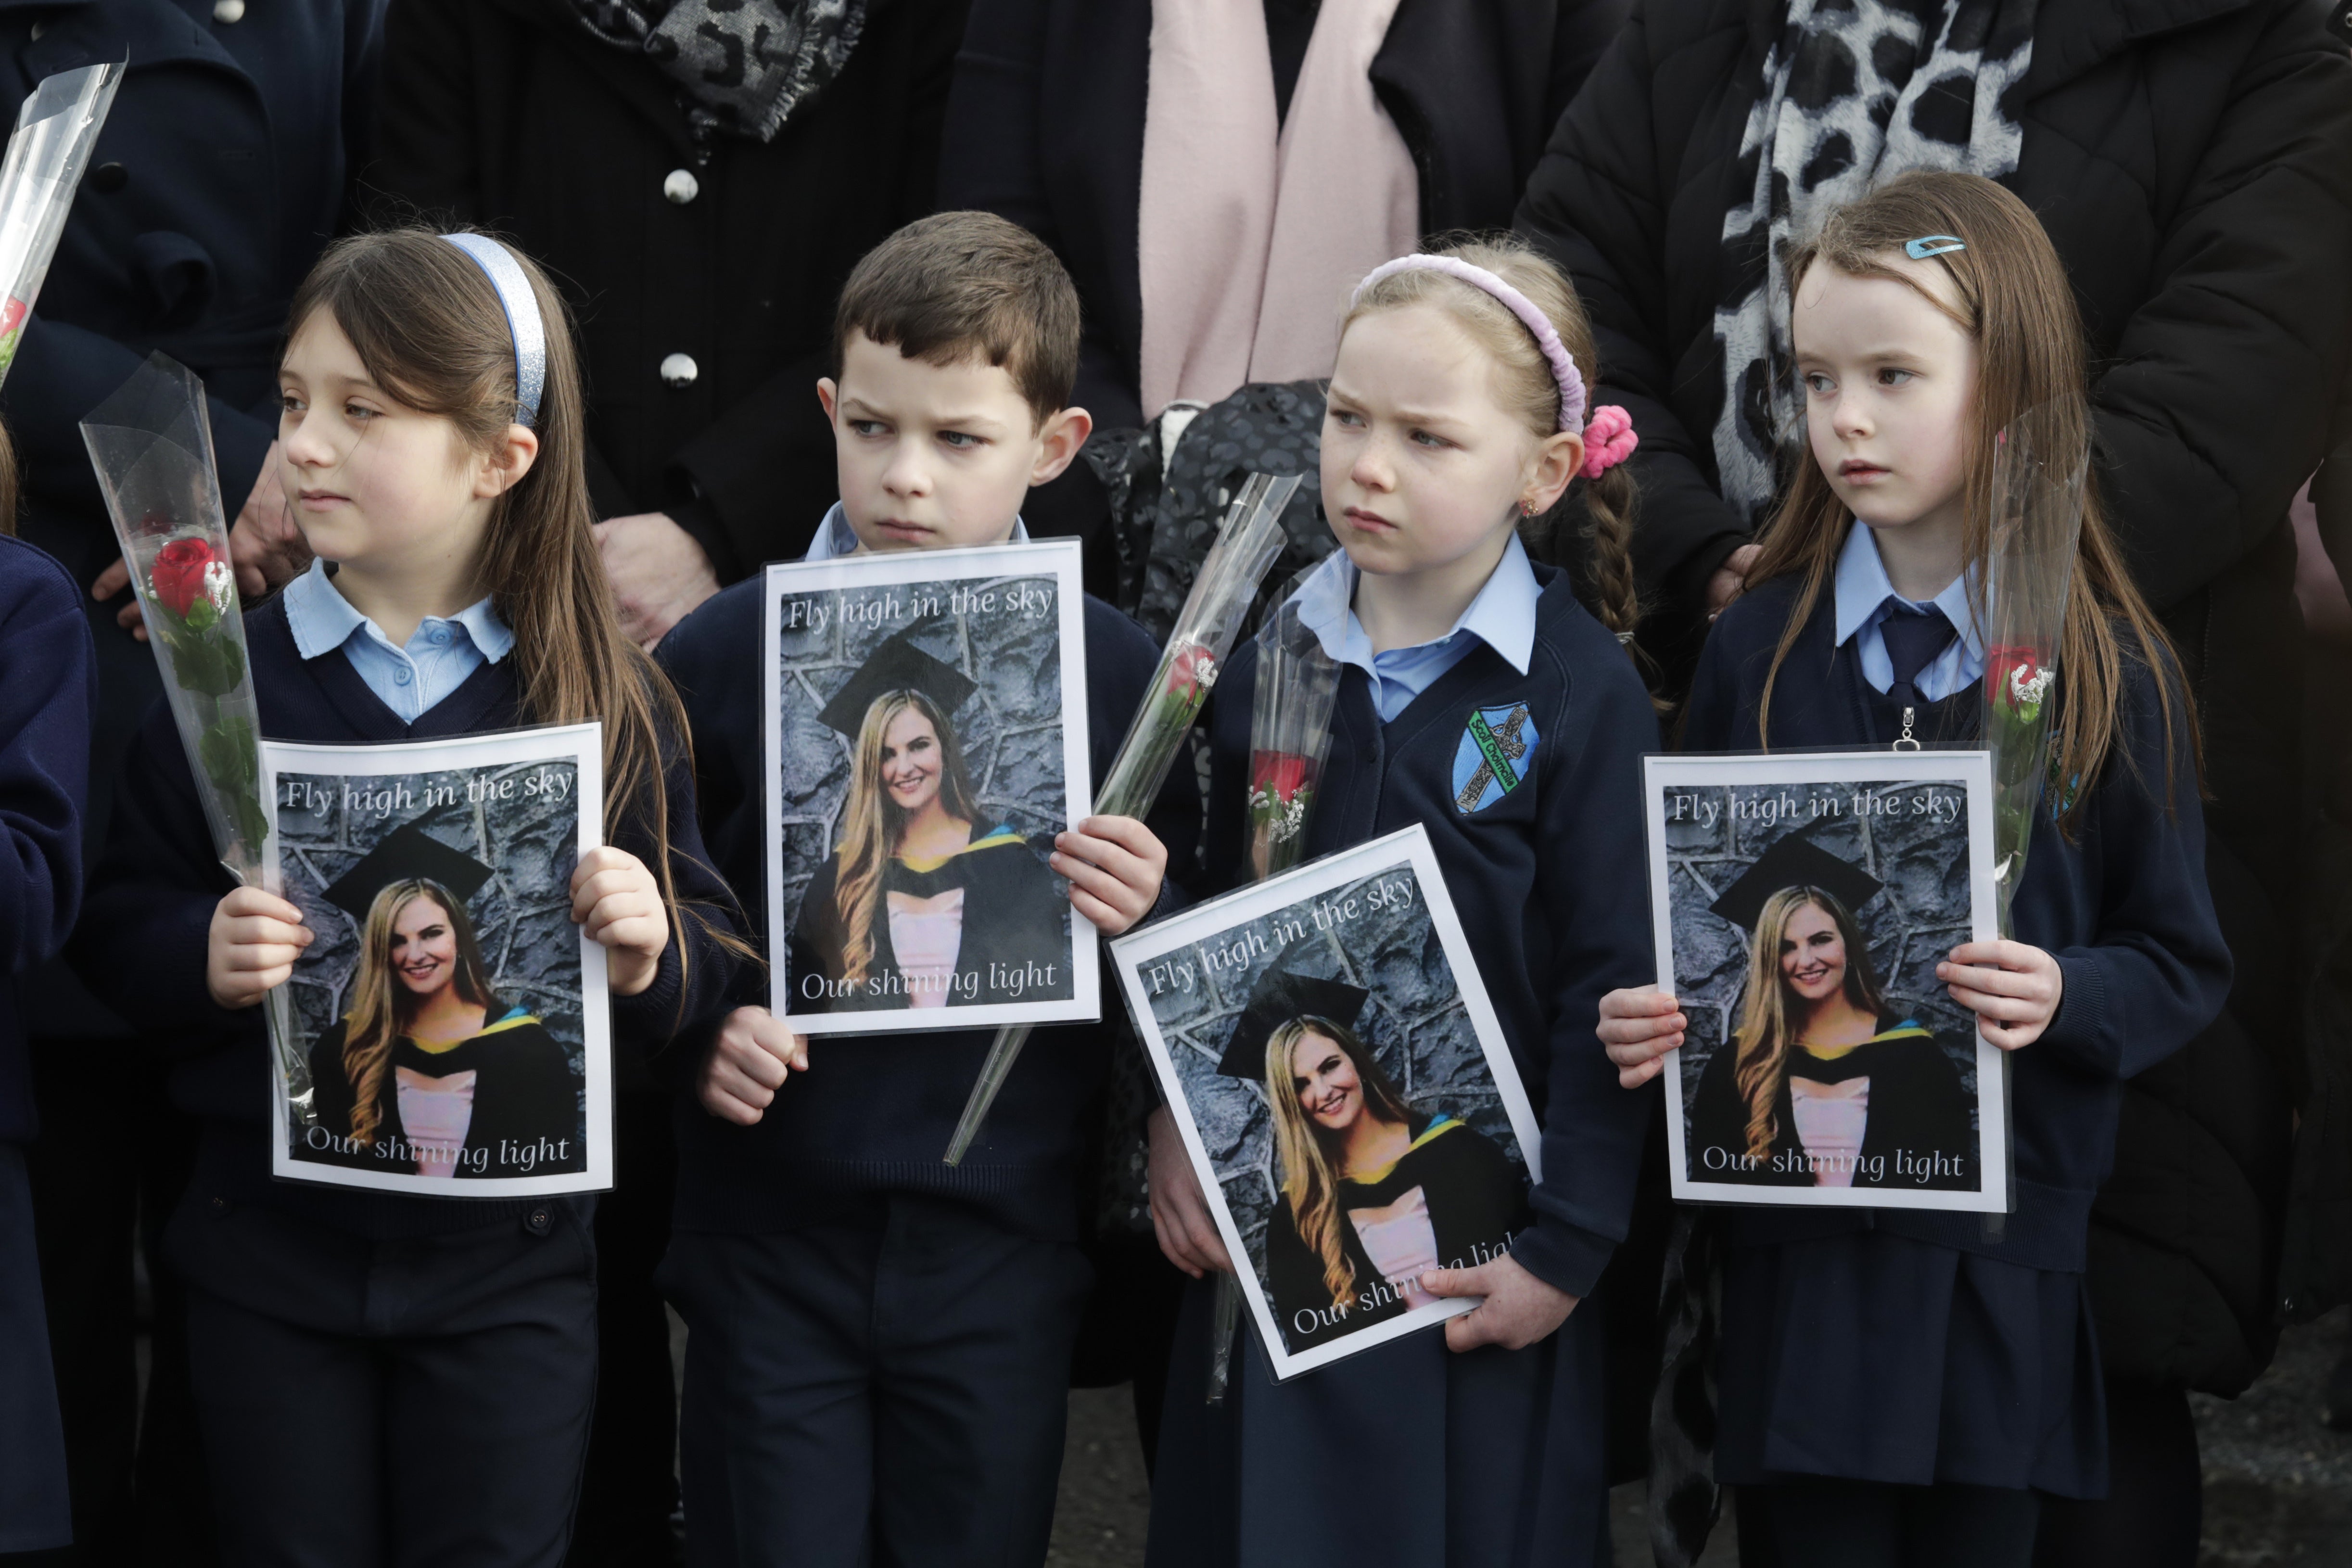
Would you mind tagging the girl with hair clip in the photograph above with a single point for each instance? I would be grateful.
(1903, 1386)
(1480, 698)
(915, 908)
(382, 1377)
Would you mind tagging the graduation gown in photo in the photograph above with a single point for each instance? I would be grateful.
(526, 1098)
(1917, 1108)
(1015, 925)
(1476, 1200)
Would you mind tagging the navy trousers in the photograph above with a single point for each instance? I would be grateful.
(419, 1402)
(35, 1512)
(888, 1389)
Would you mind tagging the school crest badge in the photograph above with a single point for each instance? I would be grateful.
(1496, 755)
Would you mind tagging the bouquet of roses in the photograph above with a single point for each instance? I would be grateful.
(1212, 618)
(56, 128)
(2040, 463)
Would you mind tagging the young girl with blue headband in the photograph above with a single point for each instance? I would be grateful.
(382, 1377)
(1458, 421)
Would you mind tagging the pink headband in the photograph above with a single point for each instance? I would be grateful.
(1611, 439)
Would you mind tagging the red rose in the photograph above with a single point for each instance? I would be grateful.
(2008, 660)
(1279, 772)
(179, 573)
(1195, 671)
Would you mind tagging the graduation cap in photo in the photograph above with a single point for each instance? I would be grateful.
(897, 665)
(404, 853)
(1795, 861)
(1279, 997)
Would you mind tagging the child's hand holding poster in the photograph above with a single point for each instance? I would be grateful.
(927, 737)
(1344, 1090)
(450, 1033)
(1802, 904)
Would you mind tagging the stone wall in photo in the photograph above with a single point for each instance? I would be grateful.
(1415, 1021)
(1011, 727)
(1920, 915)
(522, 915)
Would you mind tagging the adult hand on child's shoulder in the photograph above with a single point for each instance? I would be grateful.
(748, 1064)
(1114, 866)
(615, 900)
(2013, 989)
(658, 572)
(251, 948)
(1518, 1309)
(1179, 1213)
(1639, 1027)
(1731, 577)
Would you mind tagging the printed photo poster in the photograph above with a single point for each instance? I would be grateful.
(1800, 904)
(451, 1036)
(1344, 1090)
(925, 739)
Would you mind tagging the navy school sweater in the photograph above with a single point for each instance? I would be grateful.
(142, 939)
(1546, 879)
(874, 1112)
(2124, 909)
(48, 688)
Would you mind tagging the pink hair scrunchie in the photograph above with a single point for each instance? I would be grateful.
(1608, 440)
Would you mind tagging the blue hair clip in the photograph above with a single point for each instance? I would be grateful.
(523, 324)
(1933, 245)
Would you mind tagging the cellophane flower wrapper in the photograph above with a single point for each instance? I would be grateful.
(1290, 736)
(1205, 634)
(2041, 460)
(151, 446)
(56, 128)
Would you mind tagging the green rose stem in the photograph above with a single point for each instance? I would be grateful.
(1247, 542)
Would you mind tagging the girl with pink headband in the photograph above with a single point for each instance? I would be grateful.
(1481, 698)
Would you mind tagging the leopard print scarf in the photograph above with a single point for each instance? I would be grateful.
(1856, 92)
(744, 65)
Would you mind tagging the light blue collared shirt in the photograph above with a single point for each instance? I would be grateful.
(1503, 616)
(1865, 598)
(436, 661)
(836, 538)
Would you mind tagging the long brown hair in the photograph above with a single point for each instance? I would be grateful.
(1531, 392)
(871, 822)
(1768, 1025)
(428, 326)
(383, 1008)
(1310, 1183)
(2016, 303)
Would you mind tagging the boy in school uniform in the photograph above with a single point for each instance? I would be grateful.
(879, 1343)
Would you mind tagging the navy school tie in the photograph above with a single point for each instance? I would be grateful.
(1914, 638)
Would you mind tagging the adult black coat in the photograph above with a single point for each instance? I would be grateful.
(1046, 127)
(221, 172)
(509, 114)
(2192, 161)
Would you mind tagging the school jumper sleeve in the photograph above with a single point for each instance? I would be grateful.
(2160, 957)
(1593, 855)
(45, 712)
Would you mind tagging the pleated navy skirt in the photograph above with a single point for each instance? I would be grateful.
(1874, 1357)
(1405, 1455)
(34, 1508)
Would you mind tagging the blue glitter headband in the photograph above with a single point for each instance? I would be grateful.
(1933, 245)
(522, 306)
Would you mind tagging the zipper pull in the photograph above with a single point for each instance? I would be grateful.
(1904, 743)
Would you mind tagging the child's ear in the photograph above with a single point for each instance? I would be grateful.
(1058, 440)
(828, 393)
(1555, 466)
(507, 462)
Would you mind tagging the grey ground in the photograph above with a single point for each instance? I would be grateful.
(2278, 1484)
